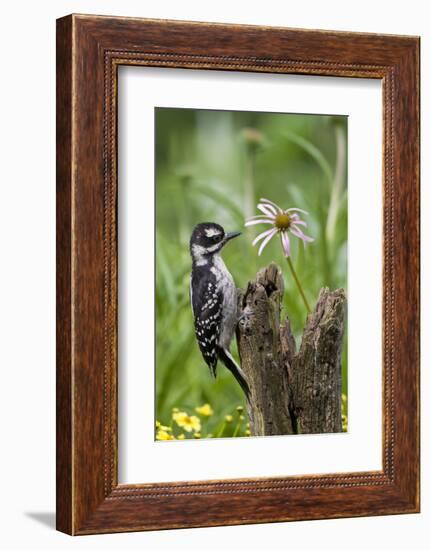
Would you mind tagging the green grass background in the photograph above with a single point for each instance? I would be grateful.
(214, 166)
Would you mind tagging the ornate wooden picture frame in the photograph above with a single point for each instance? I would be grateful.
(89, 51)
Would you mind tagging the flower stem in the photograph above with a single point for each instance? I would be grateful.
(221, 431)
(298, 284)
(238, 425)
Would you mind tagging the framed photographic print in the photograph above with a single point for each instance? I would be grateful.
(237, 274)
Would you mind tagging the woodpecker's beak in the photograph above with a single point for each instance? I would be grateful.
(230, 236)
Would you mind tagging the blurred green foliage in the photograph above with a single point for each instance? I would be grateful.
(214, 166)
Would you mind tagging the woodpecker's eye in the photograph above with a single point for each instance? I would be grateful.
(217, 238)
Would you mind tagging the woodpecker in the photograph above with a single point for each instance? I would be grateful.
(213, 296)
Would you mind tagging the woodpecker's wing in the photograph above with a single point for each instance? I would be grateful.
(206, 305)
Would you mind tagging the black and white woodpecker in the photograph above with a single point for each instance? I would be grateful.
(213, 295)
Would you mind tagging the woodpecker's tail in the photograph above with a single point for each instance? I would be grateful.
(229, 362)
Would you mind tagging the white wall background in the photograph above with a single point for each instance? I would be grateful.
(27, 280)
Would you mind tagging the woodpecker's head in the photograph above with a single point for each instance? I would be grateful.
(208, 239)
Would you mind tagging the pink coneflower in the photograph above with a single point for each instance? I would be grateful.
(282, 222)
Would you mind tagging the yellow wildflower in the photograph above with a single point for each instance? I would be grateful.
(197, 435)
(181, 436)
(344, 422)
(164, 436)
(164, 428)
(159, 426)
(240, 409)
(175, 409)
(247, 432)
(188, 423)
(205, 410)
(228, 418)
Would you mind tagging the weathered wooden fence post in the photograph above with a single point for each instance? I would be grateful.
(291, 391)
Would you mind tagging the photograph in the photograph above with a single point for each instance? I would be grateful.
(237, 257)
(212, 258)
(251, 252)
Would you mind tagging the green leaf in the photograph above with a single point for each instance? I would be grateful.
(313, 151)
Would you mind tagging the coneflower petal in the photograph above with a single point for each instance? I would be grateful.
(278, 209)
(266, 241)
(255, 222)
(297, 210)
(271, 207)
(298, 233)
(259, 216)
(261, 236)
(268, 209)
(299, 222)
(285, 242)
